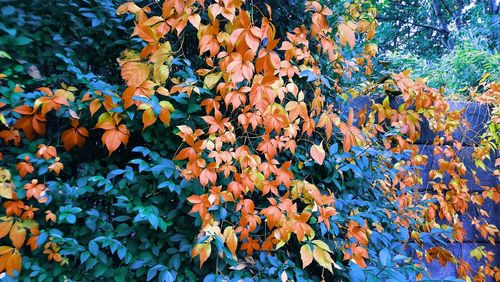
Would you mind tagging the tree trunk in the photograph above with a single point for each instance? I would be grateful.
(493, 8)
(448, 42)
(458, 14)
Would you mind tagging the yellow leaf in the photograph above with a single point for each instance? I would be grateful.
(306, 255)
(103, 118)
(484, 77)
(3, 120)
(280, 244)
(322, 245)
(212, 79)
(323, 258)
(371, 49)
(476, 253)
(167, 105)
(27, 223)
(195, 20)
(153, 20)
(161, 73)
(4, 175)
(166, 109)
(163, 54)
(65, 93)
(7, 189)
(163, 91)
(127, 7)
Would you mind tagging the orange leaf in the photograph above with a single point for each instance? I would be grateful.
(127, 7)
(94, 106)
(203, 250)
(208, 174)
(47, 152)
(25, 167)
(17, 235)
(5, 228)
(250, 245)
(34, 189)
(11, 135)
(10, 260)
(360, 254)
(444, 256)
(56, 167)
(135, 73)
(148, 117)
(347, 35)
(13, 207)
(327, 121)
(112, 138)
(352, 134)
(74, 137)
(357, 231)
(49, 215)
(296, 109)
(231, 240)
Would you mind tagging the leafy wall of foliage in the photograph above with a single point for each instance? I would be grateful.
(229, 152)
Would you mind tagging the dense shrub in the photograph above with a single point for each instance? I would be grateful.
(461, 70)
(61, 41)
(232, 153)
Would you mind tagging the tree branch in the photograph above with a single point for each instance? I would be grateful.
(381, 18)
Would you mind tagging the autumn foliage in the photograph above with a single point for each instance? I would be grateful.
(251, 127)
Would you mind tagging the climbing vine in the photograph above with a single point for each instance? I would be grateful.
(259, 144)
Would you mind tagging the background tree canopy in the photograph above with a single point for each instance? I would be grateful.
(454, 43)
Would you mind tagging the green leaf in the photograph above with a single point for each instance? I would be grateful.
(93, 248)
(22, 41)
(356, 273)
(84, 256)
(4, 54)
(8, 10)
(384, 256)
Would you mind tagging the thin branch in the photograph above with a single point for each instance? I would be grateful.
(447, 8)
(412, 23)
